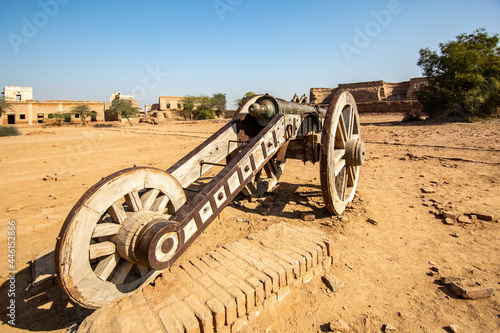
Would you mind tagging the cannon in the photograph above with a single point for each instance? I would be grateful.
(133, 224)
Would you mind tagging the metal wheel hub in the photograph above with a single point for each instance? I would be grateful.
(355, 152)
(127, 237)
(157, 244)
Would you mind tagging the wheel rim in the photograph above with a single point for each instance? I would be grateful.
(95, 248)
(342, 153)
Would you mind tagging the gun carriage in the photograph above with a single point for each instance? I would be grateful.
(135, 223)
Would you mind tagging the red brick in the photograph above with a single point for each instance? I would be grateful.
(170, 322)
(202, 313)
(265, 280)
(218, 313)
(186, 317)
(226, 253)
(203, 267)
(190, 269)
(265, 252)
(259, 290)
(148, 292)
(209, 261)
(307, 217)
(261, 267)
(219, 257)
(239, 324)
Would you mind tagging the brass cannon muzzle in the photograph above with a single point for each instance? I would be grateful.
(266, 107)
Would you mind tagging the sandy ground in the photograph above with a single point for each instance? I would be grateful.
(385, 266)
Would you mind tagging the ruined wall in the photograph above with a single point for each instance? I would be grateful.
(37, 112)
(415, 84)
(375, 96)
(389, 107)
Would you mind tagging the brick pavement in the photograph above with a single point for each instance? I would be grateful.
(224, 289)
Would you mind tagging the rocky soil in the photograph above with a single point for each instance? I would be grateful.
(393, 243)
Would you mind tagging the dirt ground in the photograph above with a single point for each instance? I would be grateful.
(385, 265)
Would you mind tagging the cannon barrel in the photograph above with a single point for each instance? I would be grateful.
(266, 107)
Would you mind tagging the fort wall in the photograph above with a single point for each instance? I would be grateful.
(375, 96)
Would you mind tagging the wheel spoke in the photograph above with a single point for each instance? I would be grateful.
(148, 198)
(351, 121)
(117, 212)
(101, 249)
(106, 266)
(105, 229)
(141, 270)
(121, 272)
(160, 204)
(339, 167)
(341, 134)
(351, 173)
(344, 183)
(337, 155)
(133, 201)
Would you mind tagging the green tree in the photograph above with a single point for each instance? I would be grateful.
(219, 104)
(124, 108)
(464, 79)
(59, 117)
(242, 100)
(204, 108)
(4, 105)
(188, 105)
(82, 111)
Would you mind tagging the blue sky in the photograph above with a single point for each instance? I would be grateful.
(85, 50)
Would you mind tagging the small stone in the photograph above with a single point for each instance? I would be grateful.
(333, 283)
(389, 328)
(401, 314)
(454, 328)
(372, 221)
(307, 217)
(339, 326)
(449, 279)
(448, 221)
(455, 234)
(435, 269)
(16, 208)
(428, 203)
(52, 195)
(471, 290)
(428, 190)
(464, 219)
(432, 263)
(484, 217)
(448, 214)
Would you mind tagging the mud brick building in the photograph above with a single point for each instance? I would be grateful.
(24, 110)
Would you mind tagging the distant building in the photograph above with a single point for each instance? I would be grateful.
(24, 110)
(171, 103)
(170, 106)
(118, 95)
(12, 94)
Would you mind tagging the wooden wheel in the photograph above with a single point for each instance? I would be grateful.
(94, 260)
(342, 152)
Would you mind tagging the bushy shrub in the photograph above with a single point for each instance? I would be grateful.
(9, 131)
